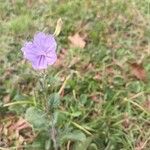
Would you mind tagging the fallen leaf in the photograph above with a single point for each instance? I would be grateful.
(138, 71)
(77, 41)
(15, 131)
(20, 124)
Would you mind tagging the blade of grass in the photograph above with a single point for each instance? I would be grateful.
(81, 128)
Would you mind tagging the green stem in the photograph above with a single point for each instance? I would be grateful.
(53, 133)
(44, 87)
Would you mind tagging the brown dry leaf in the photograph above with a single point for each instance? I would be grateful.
(20, 124)
(15, 131)
(138, 71)
(77, 41)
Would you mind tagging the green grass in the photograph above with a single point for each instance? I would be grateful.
(102, 105)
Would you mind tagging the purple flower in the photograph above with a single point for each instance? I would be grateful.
(41, 52)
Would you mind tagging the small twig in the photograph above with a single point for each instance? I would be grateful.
(136, 95)
(144, 144)
(18, 102)
(64, 84)
(68, 145)
(3, 148)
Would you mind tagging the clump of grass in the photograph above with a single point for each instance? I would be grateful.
(20, 24)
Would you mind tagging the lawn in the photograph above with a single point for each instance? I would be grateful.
(97, 94)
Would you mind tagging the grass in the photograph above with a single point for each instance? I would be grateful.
(99, 103)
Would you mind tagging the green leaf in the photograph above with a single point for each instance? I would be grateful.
(83, 145)
(93, 146)
(37, 118)
(54, 100)
(74, 136)
(76, 114)
(42, 142)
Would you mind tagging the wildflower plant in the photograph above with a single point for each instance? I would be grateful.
(41, 53)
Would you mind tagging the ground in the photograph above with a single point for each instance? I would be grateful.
(99, 88)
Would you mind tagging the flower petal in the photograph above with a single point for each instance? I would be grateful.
(51, 59)
(31, 48)
(31, 57)
(50, 43)
(45, 42)
(40, 63)
(39, 38)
